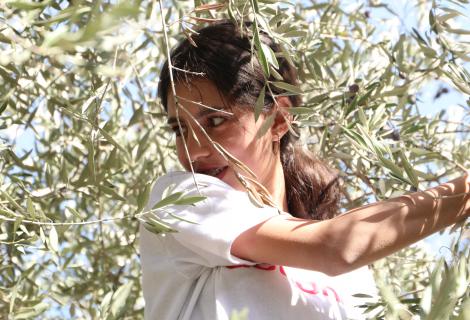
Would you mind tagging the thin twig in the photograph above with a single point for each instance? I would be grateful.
(173, 89)
(205, 106)
(190, 72)
(39, 223)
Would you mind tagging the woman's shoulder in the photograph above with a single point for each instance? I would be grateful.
(206, 220)
(179, 184)
(180, 180)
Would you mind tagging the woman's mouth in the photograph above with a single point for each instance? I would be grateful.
(216, 172)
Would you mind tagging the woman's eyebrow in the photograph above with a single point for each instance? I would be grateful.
(209, 110)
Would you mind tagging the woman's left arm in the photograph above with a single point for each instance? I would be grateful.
(357, 237)
(402, 221)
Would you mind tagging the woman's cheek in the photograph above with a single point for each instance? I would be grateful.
(232, 144)
(181, 154)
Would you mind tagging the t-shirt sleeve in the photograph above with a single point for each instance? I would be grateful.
(209, 227)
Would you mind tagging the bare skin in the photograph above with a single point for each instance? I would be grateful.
(358, 237)
(335, 246)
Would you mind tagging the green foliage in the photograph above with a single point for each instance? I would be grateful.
(79, 79)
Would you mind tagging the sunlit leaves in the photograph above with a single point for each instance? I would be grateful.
(30, 312)
(288, 87)
(267, 124)
(77, 165)
(114, 303)
(103, 22)
(260, 103)
(53, 240)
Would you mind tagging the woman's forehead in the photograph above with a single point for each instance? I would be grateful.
(196, 97)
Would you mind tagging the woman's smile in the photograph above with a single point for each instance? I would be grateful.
(218, 172)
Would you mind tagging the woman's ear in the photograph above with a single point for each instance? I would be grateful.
(283, 117)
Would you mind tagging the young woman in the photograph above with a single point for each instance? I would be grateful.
(276, 261)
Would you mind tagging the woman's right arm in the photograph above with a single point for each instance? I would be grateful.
(359, 236)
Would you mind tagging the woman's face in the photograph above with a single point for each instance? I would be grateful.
(235, 130)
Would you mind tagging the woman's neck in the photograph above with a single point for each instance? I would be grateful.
(277, 186)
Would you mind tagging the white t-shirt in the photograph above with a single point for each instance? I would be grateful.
(191, 274)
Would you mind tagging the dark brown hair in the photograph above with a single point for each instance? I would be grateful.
(223, 54)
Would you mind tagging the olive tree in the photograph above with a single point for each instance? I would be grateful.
(83, 136)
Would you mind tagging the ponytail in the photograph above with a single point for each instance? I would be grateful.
(312, 188)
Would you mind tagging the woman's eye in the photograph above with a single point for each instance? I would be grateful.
(216, 121)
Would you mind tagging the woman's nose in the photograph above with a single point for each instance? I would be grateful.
(198, 145)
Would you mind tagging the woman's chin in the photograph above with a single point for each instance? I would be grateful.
(229, 178)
